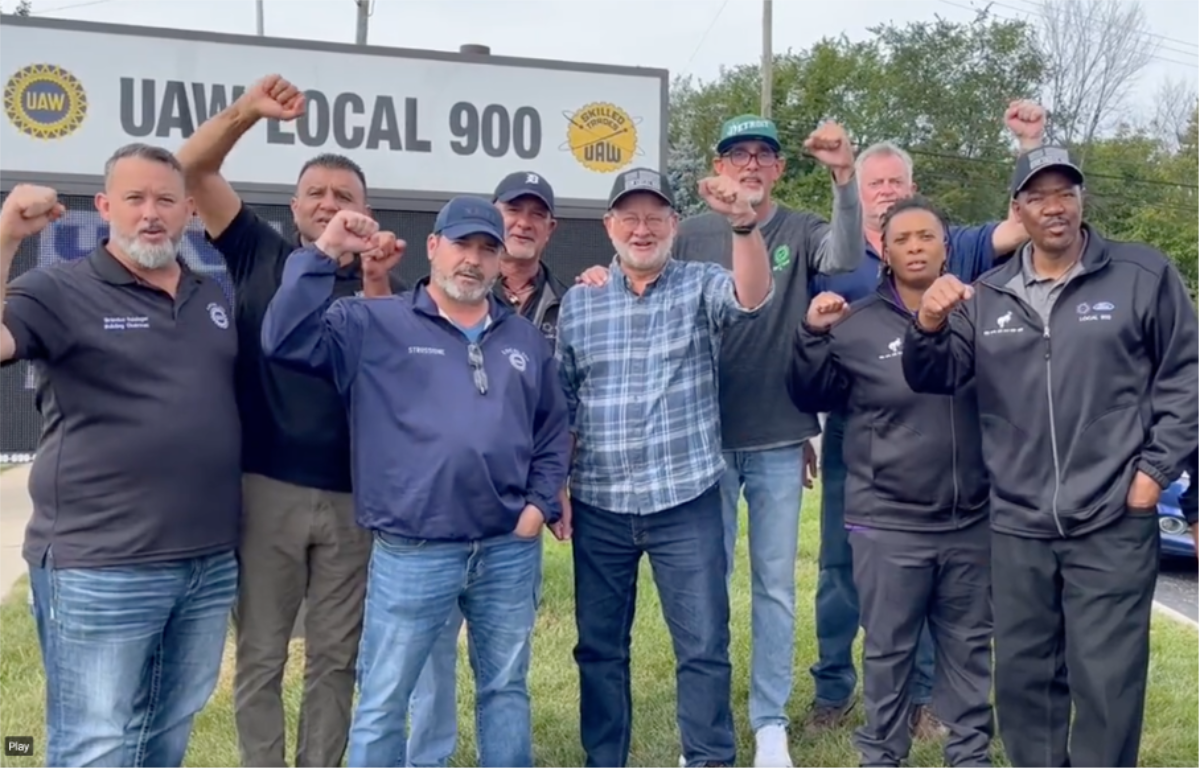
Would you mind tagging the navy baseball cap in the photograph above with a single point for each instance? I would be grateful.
(522, 183)
(465, 216)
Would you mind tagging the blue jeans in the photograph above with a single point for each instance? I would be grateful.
(131, 655)
(834, 674)
(687, 557)
(773, 488)
(413, 587)
(433, 707)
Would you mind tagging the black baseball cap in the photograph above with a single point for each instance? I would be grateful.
(522, 183)
(1038, 159)
(641, 180)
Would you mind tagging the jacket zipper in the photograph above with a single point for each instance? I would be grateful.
(1049, 400)
(953, 428)
(954, 462)
(1053, 435)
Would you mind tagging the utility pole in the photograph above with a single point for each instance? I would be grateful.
(258, 12)
(364, 18)
(768, 58)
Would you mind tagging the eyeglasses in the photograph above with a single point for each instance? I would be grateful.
(475, 358)
(653, 222)
(741, 157)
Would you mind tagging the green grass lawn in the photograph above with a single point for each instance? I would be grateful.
(1170, 737)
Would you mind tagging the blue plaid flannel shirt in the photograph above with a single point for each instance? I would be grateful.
(640, 374)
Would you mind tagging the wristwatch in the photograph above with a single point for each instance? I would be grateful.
(745, 229)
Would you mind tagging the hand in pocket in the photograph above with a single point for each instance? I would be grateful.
(529, 525)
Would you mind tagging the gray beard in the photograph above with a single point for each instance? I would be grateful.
(147, 255)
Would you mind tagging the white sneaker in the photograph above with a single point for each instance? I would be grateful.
(771, 747)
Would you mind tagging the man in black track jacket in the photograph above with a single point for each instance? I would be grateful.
(1083, 351)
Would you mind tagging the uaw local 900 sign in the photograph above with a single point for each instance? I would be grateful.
(74, 92)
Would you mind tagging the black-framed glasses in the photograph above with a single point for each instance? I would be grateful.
(475, 358)
(741, 157)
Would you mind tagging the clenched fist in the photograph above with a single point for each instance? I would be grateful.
(379, 260)
(946, 293)
(831, 146)
(825, 309)
(725, 197)
(27, 210)
(349, 233)
(1027, 121)
(273, 97)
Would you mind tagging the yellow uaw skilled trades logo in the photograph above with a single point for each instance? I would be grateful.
(602, 137)
(45, 101)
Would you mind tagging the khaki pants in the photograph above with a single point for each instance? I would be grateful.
(298, 545)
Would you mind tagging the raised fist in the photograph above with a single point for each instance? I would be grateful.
(831, 146)
(825, 309)
(725, 197)
(946, 293)
(273, 97)
(27, 210)
(1027, 121)
(349, 233)
(379, 260)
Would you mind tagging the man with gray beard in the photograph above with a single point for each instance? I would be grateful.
(136, 486)
(459, 441)
(638, 360)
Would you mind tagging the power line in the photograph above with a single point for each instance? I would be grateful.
(716, 17)
(70, 7)
(973, 9)
(1091, 175)
(1147, 33)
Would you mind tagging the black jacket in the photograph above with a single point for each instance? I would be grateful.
(1189, 501)
(913, 462)
(1071, 411)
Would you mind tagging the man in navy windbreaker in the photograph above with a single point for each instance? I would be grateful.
(460, 447)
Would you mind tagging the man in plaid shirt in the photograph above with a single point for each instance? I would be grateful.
(638, 360)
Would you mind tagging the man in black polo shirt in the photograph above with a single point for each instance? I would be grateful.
(136, 484)
(300, 542)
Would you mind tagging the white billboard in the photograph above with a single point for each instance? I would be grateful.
(430, 124)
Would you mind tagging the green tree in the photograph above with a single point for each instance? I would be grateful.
(937, 88)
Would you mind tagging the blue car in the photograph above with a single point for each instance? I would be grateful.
(1176, 538)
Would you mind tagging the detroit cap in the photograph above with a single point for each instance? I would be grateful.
(465, 216)
(748, 128)
(641, 180)
(1034, 161)
(522, 183)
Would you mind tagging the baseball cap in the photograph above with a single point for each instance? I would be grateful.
(641, 180)
(522, 183)
(748, 128)
(465, 216)
(1038, 159)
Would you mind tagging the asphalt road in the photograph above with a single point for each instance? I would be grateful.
(1177, 587)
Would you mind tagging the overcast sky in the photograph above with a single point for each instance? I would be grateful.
(695, 37)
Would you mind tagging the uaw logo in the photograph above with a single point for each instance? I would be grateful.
(45, 101)
(602, 137)
(217, 314)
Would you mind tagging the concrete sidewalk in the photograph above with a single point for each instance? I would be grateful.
(15, 509)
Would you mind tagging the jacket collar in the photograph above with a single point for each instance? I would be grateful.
(1095, 257)
(110, 269)
(424, 304)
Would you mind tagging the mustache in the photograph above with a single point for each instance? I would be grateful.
(470, 272)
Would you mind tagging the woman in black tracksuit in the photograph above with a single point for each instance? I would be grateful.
(916, 499)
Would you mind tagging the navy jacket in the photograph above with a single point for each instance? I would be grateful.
(433, 458)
